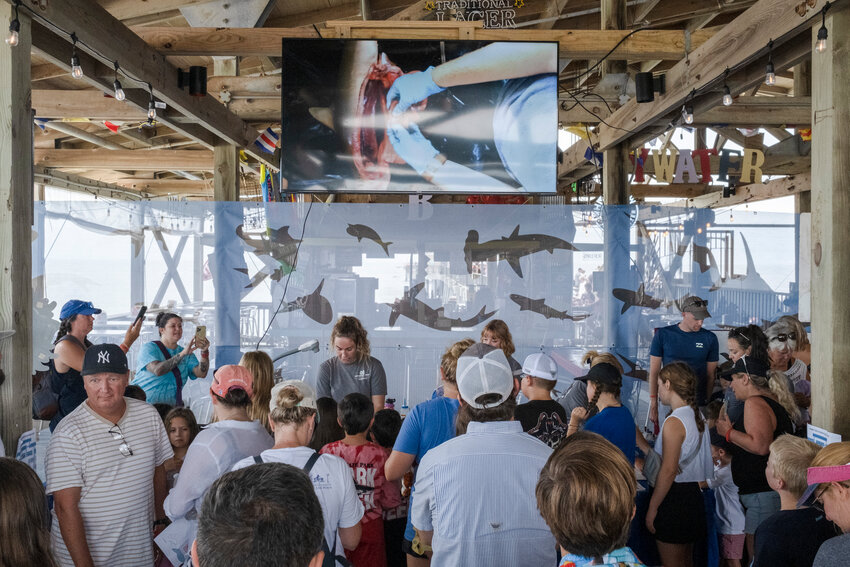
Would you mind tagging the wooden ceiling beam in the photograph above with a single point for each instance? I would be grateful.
(735, 44)
(574, 44)
(105, 34)
(642, 191)
(773, 189)
(126, 9)
(141, 160)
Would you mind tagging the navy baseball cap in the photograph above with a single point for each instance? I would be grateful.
(104, 358)
(78, 307)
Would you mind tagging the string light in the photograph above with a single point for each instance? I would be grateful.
(14, 28)
(823, 34)
(119, 92)
(688, 109)
(727, 94)
(151, 105)
(770, 72)
(76, 70)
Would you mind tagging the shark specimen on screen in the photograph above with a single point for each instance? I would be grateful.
(423, 314)
(277, 249)
(539, 306)
(361, 231)
(510, 248)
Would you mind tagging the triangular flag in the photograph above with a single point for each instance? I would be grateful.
(111, 126)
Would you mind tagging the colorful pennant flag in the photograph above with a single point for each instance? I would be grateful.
(267, 141)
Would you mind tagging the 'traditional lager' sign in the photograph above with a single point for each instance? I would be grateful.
(496, 14)
(673, 166)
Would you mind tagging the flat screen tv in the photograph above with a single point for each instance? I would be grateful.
(419, 116)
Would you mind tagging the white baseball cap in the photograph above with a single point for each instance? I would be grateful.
(540, 365)
(483, 369)
(308, 394)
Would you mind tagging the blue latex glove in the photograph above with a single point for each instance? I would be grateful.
(412, 146)
(412, 88)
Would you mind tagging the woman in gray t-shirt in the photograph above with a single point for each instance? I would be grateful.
(353, 369)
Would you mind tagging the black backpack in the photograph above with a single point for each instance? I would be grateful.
(331, 558)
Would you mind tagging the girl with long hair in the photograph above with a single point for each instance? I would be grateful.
(24, 519)
(260, 365)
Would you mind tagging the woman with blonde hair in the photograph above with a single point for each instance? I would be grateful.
(24, 519)
(676, 513)
(769, 411)
(292, 418)
(829, 488)
(576, 394)
(353, 369)
(428, 425)
(260, 365)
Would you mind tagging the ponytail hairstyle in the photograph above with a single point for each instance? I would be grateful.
(777, 383)
(500, 329)
(349, 327)
(592, 358)
(600, 388)
(235, 398)
(65, 328)
(448, 363)
(285, 408)
(163, 318)
(683, 382)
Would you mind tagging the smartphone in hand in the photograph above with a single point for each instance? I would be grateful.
(141, 314)
(200, 333)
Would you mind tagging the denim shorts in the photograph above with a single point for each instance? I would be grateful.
(758, 507)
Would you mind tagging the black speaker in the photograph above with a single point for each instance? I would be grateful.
(644, 87)
(195, 79)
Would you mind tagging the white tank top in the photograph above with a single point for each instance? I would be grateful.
(699, 466)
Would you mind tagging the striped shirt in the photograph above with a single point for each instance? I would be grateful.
(476, 493)
(116, 498)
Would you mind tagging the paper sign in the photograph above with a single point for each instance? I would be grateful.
(820, 436)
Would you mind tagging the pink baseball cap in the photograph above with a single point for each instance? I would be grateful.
(815, 476)
(232, 377)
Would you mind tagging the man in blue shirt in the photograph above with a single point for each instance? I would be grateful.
(686, 342)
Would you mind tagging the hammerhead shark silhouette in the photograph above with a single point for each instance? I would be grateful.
(539, 306)
(418, 311)
(510, 248)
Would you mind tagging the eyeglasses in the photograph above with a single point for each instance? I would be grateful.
(123, 448)
(818, 503)
(782, 337)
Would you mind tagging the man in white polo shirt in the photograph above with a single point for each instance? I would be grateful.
(104, 469)
(475, 501)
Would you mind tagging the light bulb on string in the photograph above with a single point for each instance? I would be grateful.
(708, 225)
(688, 113)
(823, 34)
(727, 94)
(76, 70)
(151, 105)
(14, 37)
(699, 230)
(116, 86)
(770, 72)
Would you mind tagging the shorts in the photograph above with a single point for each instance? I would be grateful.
(407, 547)
(732, 546)
(758, 507)
(681, 515)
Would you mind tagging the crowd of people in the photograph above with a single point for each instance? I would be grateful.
(495, 469)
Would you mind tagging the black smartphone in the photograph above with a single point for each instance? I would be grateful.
(141, 313)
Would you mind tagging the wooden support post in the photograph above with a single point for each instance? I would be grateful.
(830, 229)
(16, 219)
(803, 87)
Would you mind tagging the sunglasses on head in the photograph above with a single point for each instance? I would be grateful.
(740, 336)
(782, 337)
(697, 303)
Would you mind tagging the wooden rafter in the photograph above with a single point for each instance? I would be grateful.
(781, 187)
(137, 160)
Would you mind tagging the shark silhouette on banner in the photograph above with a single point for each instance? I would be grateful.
(315, 306)
(277, 251)
(539, 306)
(423, 314)
(361, 231)
(510, 248)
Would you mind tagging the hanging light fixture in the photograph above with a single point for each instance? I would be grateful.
(116, 86)
(823, 34)
(151, 105)
(688, 109)
(76, 70)
(770, 73)
(14, 28)
(727, 94)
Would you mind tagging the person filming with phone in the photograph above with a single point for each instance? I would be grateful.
(164, 367)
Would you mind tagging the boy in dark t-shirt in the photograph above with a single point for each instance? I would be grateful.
(542, 416)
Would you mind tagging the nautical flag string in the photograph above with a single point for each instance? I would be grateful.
(267, 141)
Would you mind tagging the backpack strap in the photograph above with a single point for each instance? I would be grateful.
(175, 371)
(308, 466)
(258, 459)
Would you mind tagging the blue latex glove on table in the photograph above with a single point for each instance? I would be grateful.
(412, 146)
(412, 88)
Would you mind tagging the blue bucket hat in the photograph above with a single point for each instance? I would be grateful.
(78, 307)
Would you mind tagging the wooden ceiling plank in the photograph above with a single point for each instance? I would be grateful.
(574, 44)
(141, 160)
(107, 35)
(734, 45)
(773, 189)
(126, 9)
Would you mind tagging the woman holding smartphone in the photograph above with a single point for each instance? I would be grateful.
(164, 367)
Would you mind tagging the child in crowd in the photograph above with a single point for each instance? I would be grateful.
(181, 426)
(729, 513)
(497, 335)
(327, 427)
(792, 536)
(384, 431)
(712, 412)
(541, 416)
(586, 494)
(612, 420)
(366, 460)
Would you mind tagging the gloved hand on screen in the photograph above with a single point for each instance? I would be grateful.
(412, 146)
(412, 88)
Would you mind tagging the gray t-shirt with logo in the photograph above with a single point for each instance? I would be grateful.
(336, 380)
